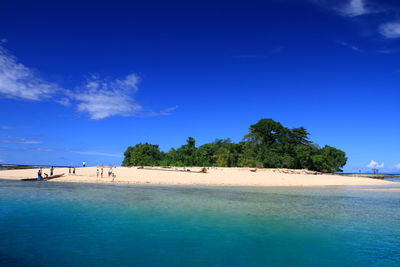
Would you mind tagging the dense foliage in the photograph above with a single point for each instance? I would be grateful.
(268, 144)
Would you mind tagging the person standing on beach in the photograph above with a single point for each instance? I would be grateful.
(73, 171)
(101, 172)
(97, 172)
(51, 171)
(109, 172)
(40, 177)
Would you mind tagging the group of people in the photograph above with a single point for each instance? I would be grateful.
(71, 170)
(101, 172)
(42, 175)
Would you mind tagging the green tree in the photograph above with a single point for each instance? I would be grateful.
(266, 142)
(143, 155)
(205, 155)
(185, 155)
(299, 136)
(302, 158)
(329, 159)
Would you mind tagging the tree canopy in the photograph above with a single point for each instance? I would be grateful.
(268, 144)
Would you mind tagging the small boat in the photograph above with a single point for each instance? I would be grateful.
(44, 179)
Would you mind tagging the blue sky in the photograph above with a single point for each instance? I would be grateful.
(83, 80)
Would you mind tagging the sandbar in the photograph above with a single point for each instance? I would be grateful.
(193, 176)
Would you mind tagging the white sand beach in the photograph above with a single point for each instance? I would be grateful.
(213, 177)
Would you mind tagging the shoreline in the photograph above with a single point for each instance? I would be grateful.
(393, 187)
(246, 177)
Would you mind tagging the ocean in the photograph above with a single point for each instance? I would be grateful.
(67, 224)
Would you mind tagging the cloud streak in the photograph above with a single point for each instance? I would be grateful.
(4, 127)
(352, 47)
(9, 140)
(387, 51)
(165, 112)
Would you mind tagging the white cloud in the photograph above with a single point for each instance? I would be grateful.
(354, 8)
(352, 47)
(102, 98)
(9, 140)
(350, 8)
(375, 165)
(20, 82)
(397, 166)
(64, 101)
(390, 30)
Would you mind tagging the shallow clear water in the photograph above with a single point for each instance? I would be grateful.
(51, 224)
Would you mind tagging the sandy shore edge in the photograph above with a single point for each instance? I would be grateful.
(213, 177)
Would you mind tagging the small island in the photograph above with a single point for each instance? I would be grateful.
(269, 155)
(267, 145)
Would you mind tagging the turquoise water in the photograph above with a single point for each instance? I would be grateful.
(50, 224)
